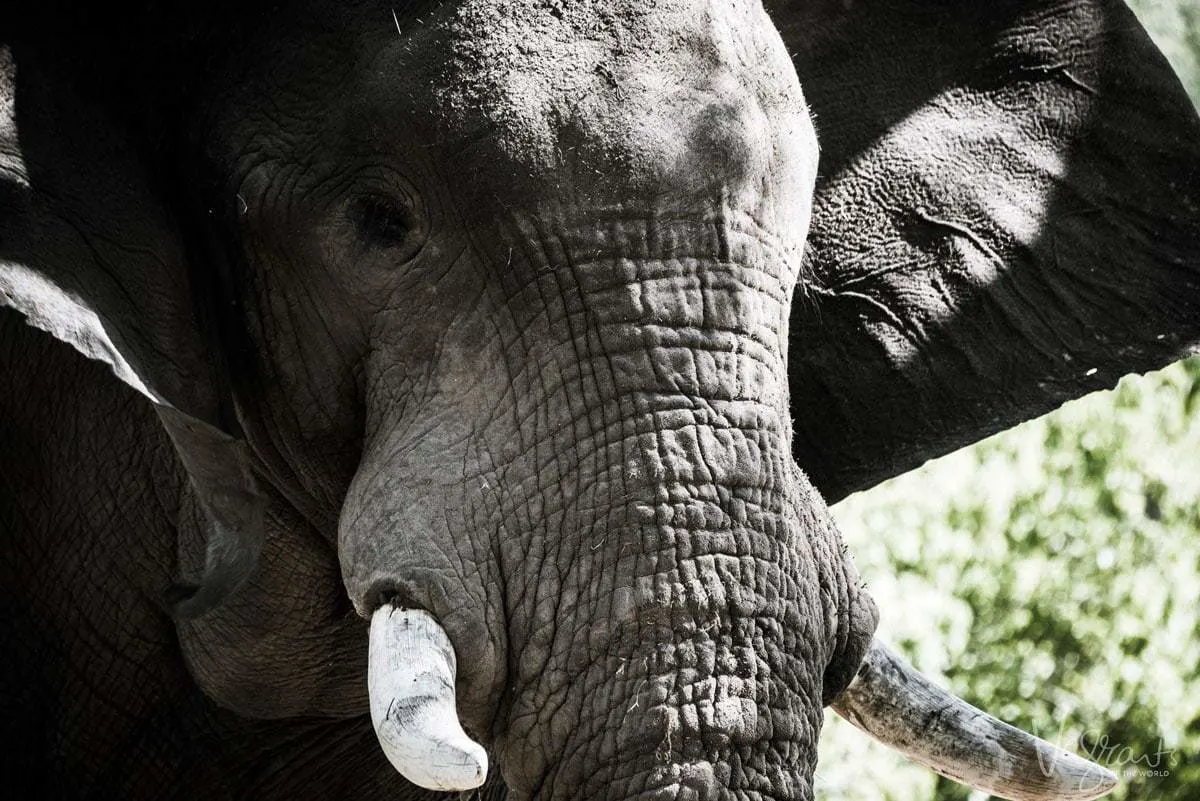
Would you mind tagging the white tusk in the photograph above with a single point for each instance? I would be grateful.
(892, 702)
(410, 679)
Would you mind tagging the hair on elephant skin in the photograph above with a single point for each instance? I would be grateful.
(422, 397)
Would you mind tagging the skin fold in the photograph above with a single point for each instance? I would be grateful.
(506, 311)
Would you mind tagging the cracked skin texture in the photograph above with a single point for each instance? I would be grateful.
(503, 301)
(497, 296)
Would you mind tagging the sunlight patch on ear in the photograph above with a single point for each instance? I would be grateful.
(1013, 187)
(48, 308)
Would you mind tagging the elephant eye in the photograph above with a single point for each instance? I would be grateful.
(383, 222)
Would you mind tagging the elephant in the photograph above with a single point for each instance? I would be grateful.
(415, 397)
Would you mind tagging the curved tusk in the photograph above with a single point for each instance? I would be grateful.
(410, 679)
(892, 702)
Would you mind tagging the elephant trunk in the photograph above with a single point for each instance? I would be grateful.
(683, 592)
(685, 654)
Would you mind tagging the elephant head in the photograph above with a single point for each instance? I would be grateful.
(533, 272)
(494, 299)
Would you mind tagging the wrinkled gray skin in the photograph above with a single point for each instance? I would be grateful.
(515, 289)
(484, 307)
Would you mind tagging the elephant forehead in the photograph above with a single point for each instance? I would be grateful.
(643, 91)
(526, 70)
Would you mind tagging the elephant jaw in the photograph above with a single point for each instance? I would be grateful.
(410, 679)
(893, 703)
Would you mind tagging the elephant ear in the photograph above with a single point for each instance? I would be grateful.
(1007, 217)
(89, 255)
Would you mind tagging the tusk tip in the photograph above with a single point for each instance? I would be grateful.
(457, 766)
(465, 765)
(1078, 779)
(474, 767)
(450, 762)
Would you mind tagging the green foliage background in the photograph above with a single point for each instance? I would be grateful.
(1051, 574)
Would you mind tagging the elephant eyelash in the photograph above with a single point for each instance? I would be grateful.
(382, 221)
